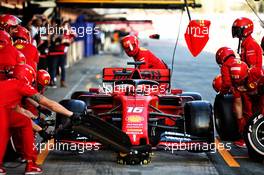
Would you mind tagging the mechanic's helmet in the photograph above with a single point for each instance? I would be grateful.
(21, 59)
(21, 33)
(7, 22)
(223, 54)
(242, 27)
(43, 78)
(5, 39)
(217, 83)
(24, 72)
(130, 44)
(238, 72)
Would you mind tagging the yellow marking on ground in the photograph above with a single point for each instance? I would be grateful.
(229, 159)
(43, 155)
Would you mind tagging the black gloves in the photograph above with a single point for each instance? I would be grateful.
(45, 136)
(76, 117)
(44, 111)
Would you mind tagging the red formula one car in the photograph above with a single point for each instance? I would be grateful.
(135, 111)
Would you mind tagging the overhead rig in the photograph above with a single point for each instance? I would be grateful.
(146, 4)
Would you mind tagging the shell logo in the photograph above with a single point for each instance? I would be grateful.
(135, 119)
(19, 46)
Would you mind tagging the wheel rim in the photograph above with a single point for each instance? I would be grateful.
(260, 133)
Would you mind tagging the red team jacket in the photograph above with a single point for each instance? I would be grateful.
(9, 57)
(151, 61)
(30, 52)
(251, 52)
(226, 78)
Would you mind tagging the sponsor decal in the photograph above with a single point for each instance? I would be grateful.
(135, 119)
(19, 46)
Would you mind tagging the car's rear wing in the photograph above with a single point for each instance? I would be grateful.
(115, 74)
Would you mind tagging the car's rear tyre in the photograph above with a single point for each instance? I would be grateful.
(254, 137)
(77, 94)
(199, 120)
(225, 120)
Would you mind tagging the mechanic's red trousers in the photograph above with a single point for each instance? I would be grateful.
(251, 105)
(18, 140)
(248, 109)
(11, 120)
(17, 136)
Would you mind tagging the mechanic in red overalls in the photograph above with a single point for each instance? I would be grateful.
(249, 81)
(11, 94)
(22, 39)
(225, 56)
(251, 52)
(9, 55)
(43, 79)
(131, 46)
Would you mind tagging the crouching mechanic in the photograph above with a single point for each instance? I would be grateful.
(130, 44)
(224, 57)
(251, 83)
(12, 91)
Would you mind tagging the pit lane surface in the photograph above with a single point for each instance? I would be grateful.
(190, 74)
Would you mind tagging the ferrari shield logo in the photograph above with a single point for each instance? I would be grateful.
(197, 35)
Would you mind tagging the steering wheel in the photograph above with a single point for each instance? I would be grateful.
(136, 63)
